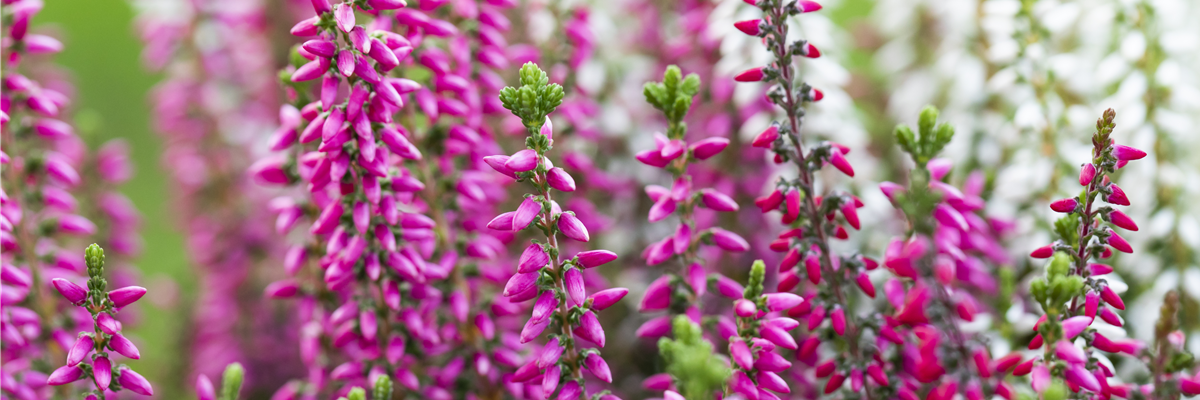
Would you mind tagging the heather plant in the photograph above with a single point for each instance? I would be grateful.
(562, 304)
(106, 335)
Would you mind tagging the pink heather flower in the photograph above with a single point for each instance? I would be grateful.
(817, 95)
(1086, 174)
(655, 327)
(1117, 197)
(204, 388)
(745, 308)
(544, 306)
(124, 347)
(526, 213)
(1126, 153)
(729, 241)
(521, 161)
(74, 293)
(532, 259)
(1075, 325)
(102, 372)
(1119, 218)
(502, 222)
(595, 258)
(80, 350)
(589, 328)
(811, 51)
(573, 281)
(782, 301)
(126, 295)
(606, 298)
(806, 6)
(598, 367)
(767, 137)
(658, 295)
(572, 228)
(718, 201)
(560, 180)
(751, 75)
(1066, 205)
(64, 375)
(752, 27)
(1067, 351)
(835, 156)
(864, 282)
(1099, 269)
(706, 148)
(76, 224)
(1111, 297)
(1117, 242)
(135, 382)
(1043, 252)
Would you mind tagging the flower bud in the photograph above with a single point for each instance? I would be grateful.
(752, 27)
(835, 156)
(64, 375)
(126, 295)
(1126, 153)
(560, 180)
(1117, 197)
(134, 382)
(521, 161)
(706, 148)
(606, 298)
(1066, 205)
(102, 372)
(74, 293)
(751, 75)
(729, 241)
(1119, 218)
(572, 227)
(1086, 174)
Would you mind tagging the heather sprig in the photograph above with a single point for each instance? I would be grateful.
(811, 215)
(106, 335)
(939, 275)
(679, 290)
(761, 329)
(562, 303)
(1075, 291)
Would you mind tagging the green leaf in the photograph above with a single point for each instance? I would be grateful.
(1059, 265)
(383, 388)
(691, 362)
(357, 394)
(691, 85)
(1067, 228)
(754, 288)
(231, 381)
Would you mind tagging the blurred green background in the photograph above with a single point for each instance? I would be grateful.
(103, 56)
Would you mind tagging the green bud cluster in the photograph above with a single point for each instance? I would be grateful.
(231, 381)
(931, 139)
(690, 359)
(673, 96)
(534, 99)
(1058, 287)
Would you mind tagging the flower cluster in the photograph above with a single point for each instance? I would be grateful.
(106, 336)
(558, 285)
(1075, 289)
(680, 289)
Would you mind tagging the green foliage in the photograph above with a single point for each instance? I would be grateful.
(383, 388)
(754, 288)
(94, 255)
(1057, 288)
(673, 96)
(1067, 228)
(355, 394)
(231, 381)
(931, 137)
(534, 99)
(697, 371)
(1056, 391)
